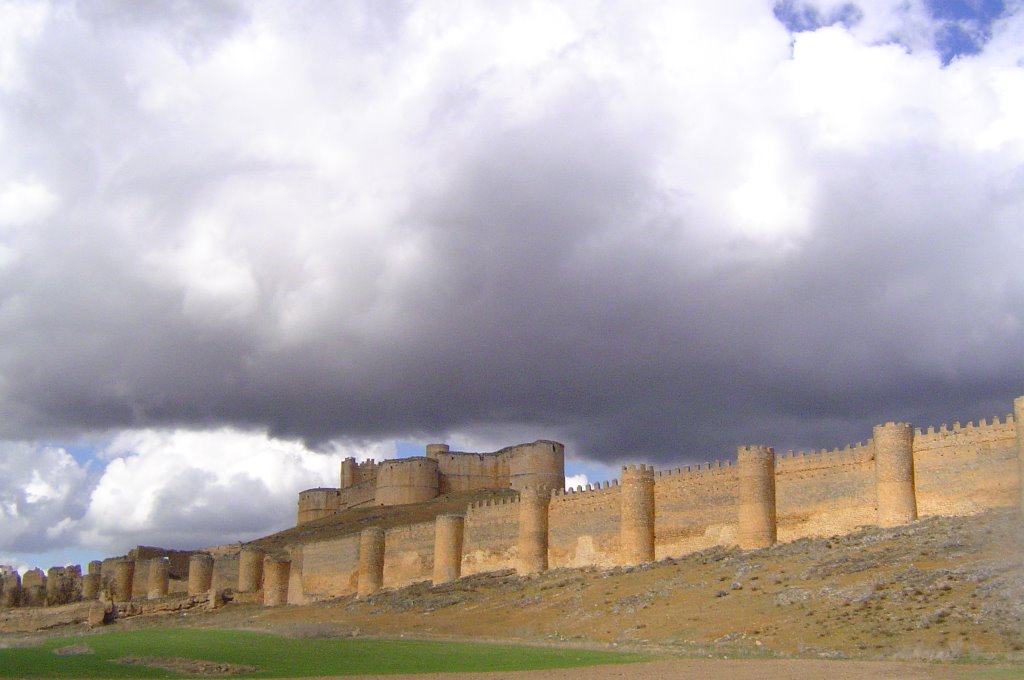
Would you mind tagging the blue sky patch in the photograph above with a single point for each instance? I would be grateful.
(963, 26)
(802, 16)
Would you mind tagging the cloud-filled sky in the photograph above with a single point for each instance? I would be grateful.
(240, 240)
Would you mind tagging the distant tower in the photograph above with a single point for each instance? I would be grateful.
(636, 528)
(276, 573)
(349, 472)
(91, 586)
(200, 573)
(533, 531)
(757, 526)
(894, 474)
(371, 561)
(435, 450)
(448, 533)
(1018, 423)
(157, 579)
(124, 574)
(250, 570)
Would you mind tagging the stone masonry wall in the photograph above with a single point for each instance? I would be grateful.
(408, 554)
(965, 469)
(823, 493)
(330, 568)
(492, 531)
(583, 527)
(695, 508)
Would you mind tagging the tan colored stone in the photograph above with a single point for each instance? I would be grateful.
(894, 474)
(371, 561)
(756, 468)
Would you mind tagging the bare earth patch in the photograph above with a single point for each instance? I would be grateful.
(72, 650)
(187, 666)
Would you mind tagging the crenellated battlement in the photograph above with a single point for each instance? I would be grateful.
(707, 470)
(851, 454)
(596, 488)
(981, 432)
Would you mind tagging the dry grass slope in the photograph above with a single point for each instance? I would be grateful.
(940, 588)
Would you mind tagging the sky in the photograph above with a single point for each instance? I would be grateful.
(240, 241)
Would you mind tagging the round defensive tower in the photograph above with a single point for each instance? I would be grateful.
(91, 586)
(539, 466)
(9, 592)
(317, 503)
(1018, 425)
(407, 480)
(448, 536)
(124, 574)
(894, 474)
(371, 561)
(250, 570)
(434, 450)
(159, 573)
(276, 573)
(200, 573)
(756, 468)
(533, 530)
(53, 583)
(636, 526)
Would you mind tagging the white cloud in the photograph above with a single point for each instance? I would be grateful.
(41, 494)
(174, 488)
(185, 488)
(573, 481)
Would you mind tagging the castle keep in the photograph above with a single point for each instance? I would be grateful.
(539, 466)
(529, 523)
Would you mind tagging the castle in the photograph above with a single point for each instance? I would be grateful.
(530, 523)
(540, 465)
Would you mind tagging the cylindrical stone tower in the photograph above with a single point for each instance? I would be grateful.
(434, 450)
(371, 561)
(53, 584)
(533, 530)
(9, 593)
(157, 583)
(95, 567)
(756, 468)
(276, 573)
(407, 480)
(1018, 424)
(636, 526)
(91, 586)
(539, 466)
(200, 573)
(124, 574)
(448, 532)
(250, 570)
(894, 474)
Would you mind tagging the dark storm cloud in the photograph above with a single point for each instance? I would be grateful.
(548, 243)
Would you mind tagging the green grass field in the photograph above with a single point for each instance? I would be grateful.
(283, 657)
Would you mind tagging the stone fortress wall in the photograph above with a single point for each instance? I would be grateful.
(901, 473)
